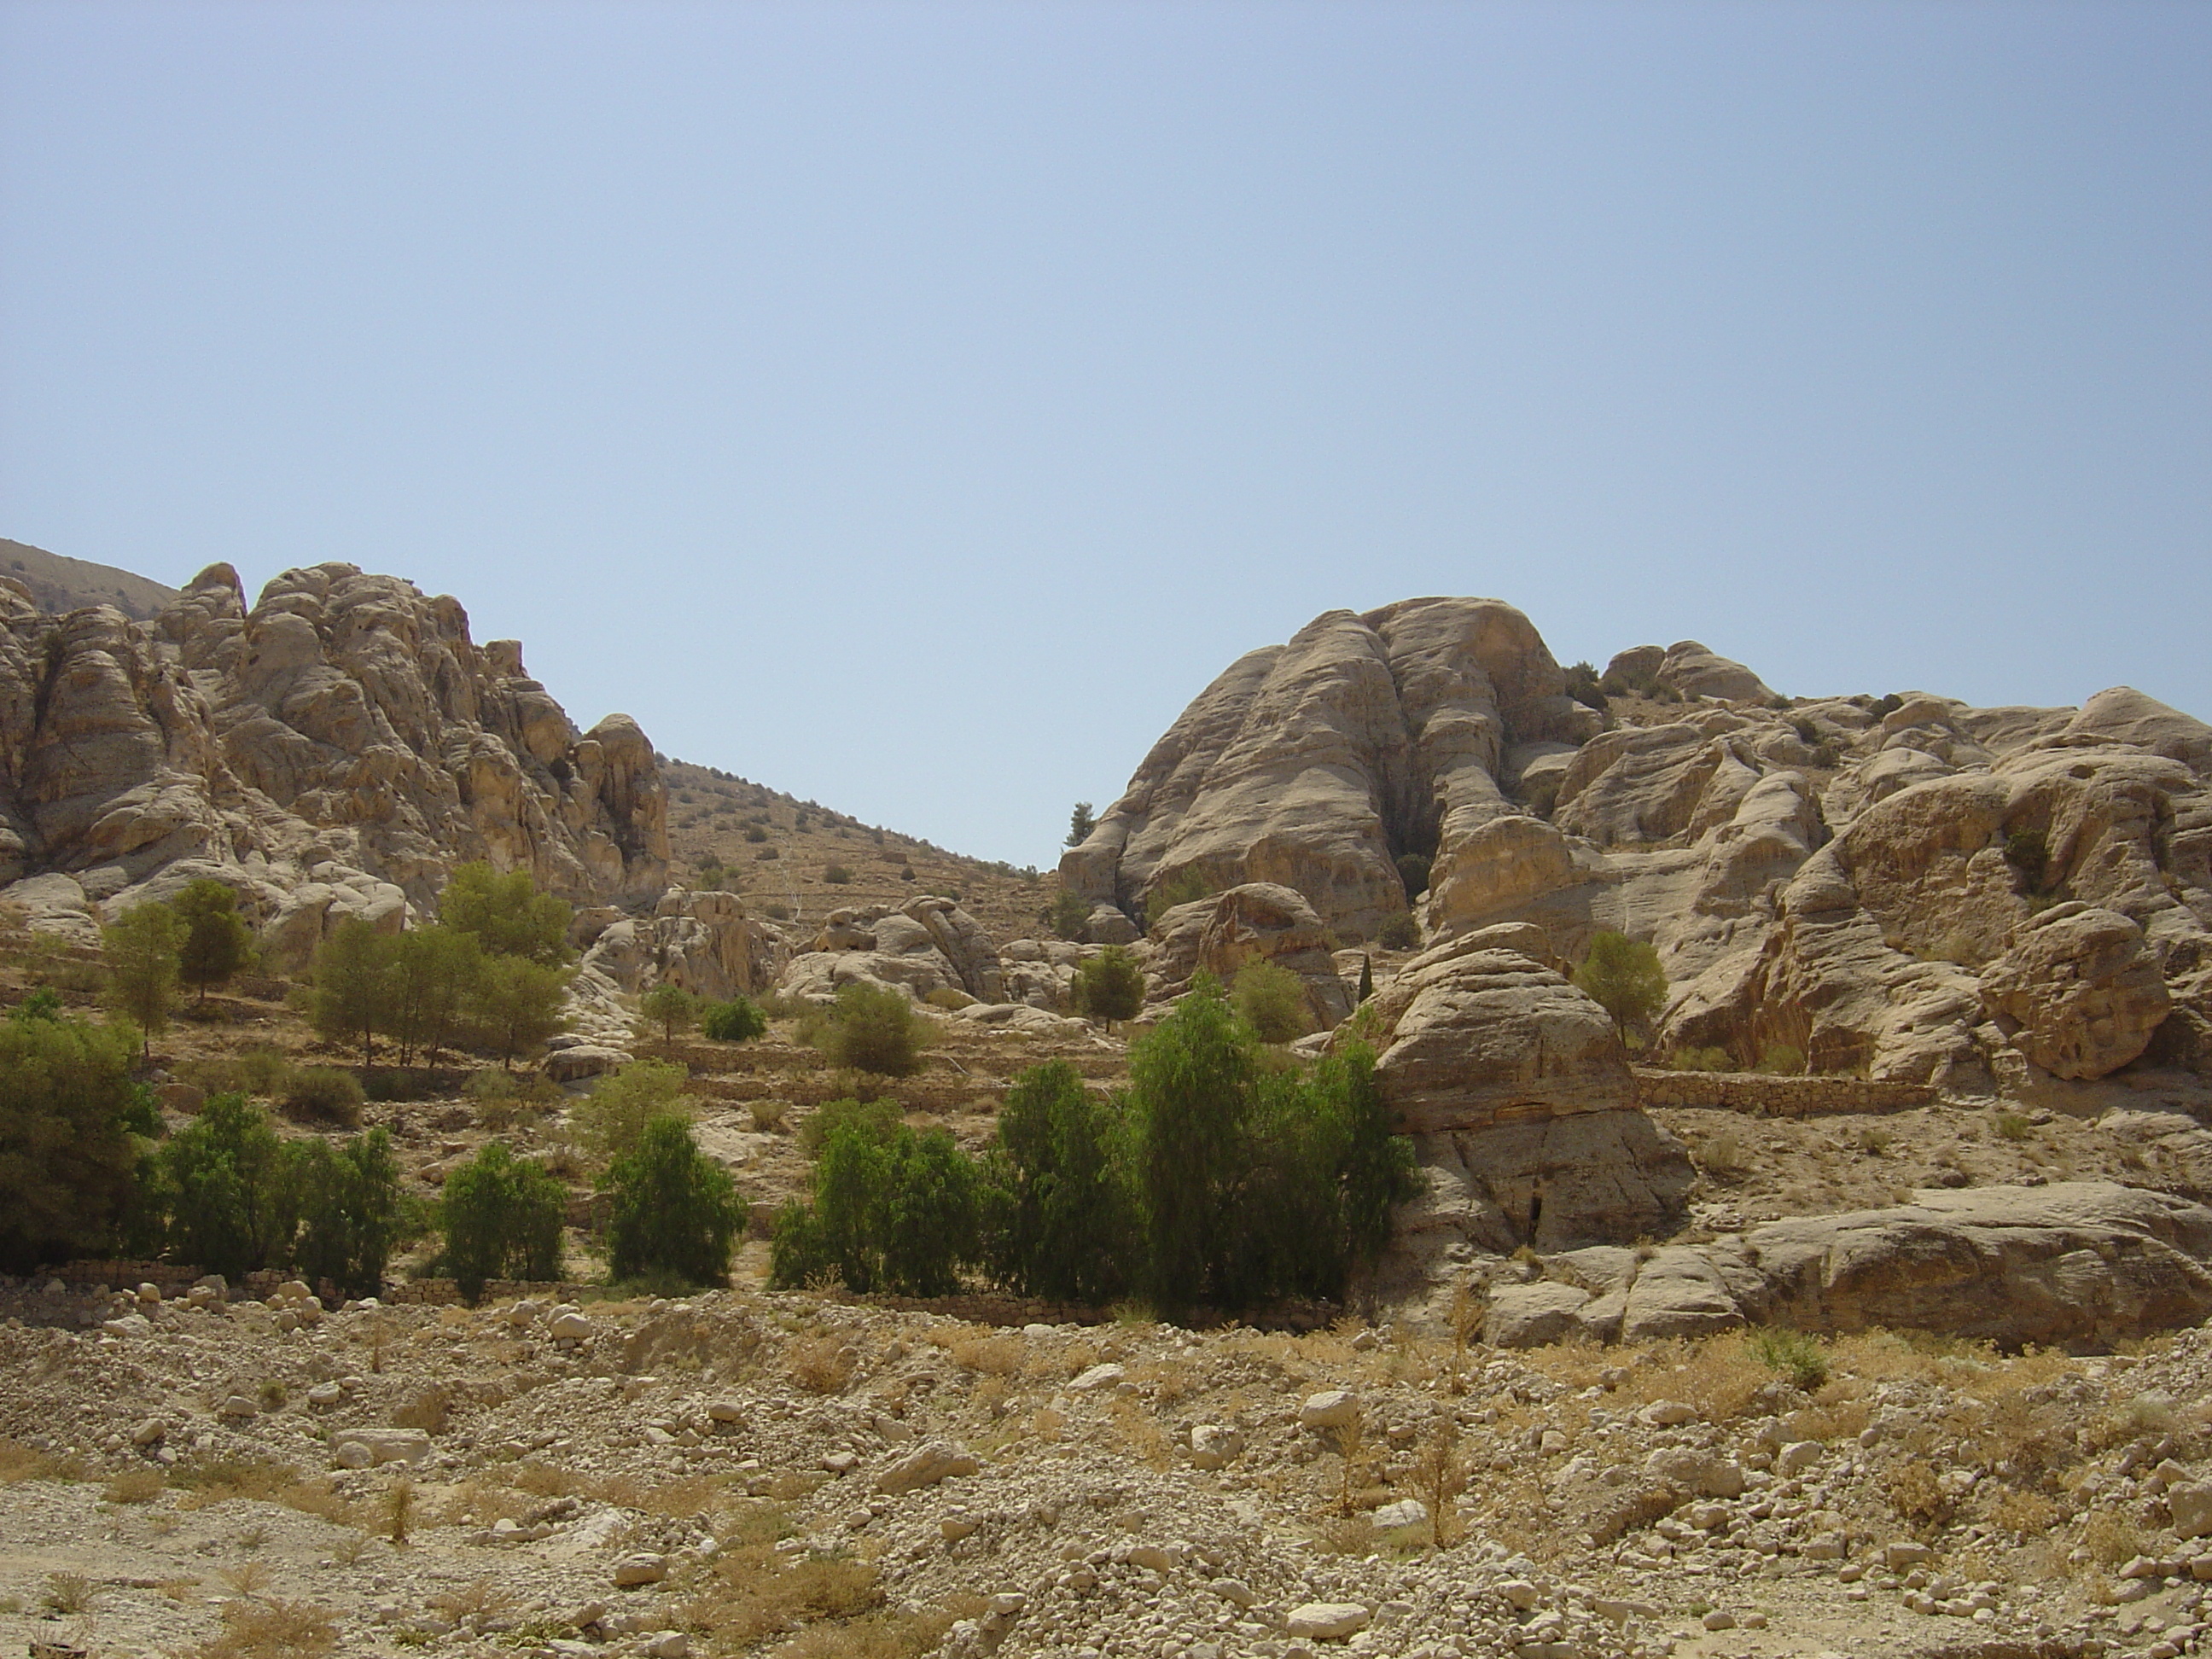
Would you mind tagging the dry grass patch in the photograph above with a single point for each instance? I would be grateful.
(273, 1630)
(884, 1635)
(135, 1486)
(21, 1462)
(754, 1591)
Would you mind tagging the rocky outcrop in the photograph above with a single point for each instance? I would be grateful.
(1254, 922)
(342, 741)
(926, 945)
(1315, 765)
(1517, 1091)
(1861, 880)
(2075, 1263)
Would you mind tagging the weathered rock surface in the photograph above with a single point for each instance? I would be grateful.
(1253, 922)
(1859, 880)
(343, 740)
(928, 944)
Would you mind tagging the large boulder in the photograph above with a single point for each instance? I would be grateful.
(2080, 994)
(1314, 765)
(927, 944)
(2073, 1262)
(1254, 922)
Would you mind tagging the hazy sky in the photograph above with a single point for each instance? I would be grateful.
(913, 406)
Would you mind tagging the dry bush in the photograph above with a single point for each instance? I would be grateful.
(221, 1478)
(248, 1579)
(480, 1503)
(2025, 1514)
(483, 1598)
(140, 1485)
(273, 1630)
(991, 1355)
(430, 1411)
(2111, 1539)
(318, 1497)
(1144, 1438)
(1345, 1536)
(1919, 1500)
(544, 1480)
(21, 1462)
(767, 1115)
(754, 1592)
(67, 1592)
(884, 1635)
(992, 1394)
(823, 1366)
(1718, 1374)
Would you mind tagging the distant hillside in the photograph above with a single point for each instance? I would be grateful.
(57, 583)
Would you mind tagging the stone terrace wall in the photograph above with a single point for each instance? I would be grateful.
(1756, 1094)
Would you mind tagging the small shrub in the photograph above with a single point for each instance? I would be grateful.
(872, 1029)
(778, 911)
(1782, 1060)
(837, 875)
(738, 1020)
(502, 1216)
(2011, 1126)
(950, 998)
(323, 1094)
(877, 1119)
(767, 1115)
(1271, 1000)
(1583, 686)
(756, 834)
(2028, 852)
(1399, 932)
(1702, 1059)
(68, 1593)
(1413, 870)
(608, 1120)
(389, 1083)
(1068, 916)
(766, 855)
(1722, 1157)
(135, 1486)
(823, 1366)
(1109, 986)
(1792, 1354)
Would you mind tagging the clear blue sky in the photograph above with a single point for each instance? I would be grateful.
(913, 406)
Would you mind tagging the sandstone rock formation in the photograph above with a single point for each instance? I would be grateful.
(1253, 922)
(2074, 1263)
(1871, 883)
(928, 944)
(341, 742)
(1517, 1091)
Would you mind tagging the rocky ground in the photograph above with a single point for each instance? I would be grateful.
(744, 1473)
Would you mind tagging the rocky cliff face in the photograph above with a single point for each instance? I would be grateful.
(1915, 888)
(335, 749)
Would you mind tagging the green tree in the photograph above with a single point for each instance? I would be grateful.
(1413, 870)
(72, 1129)
(516, 1004)
(1624, 977)
(1109, 986)
(670, 1007)
(1271, 1000)
(352, 1208)
(1186, 886)
(672, 1209)
(222, 1181)
(1058, 1219)
(871, 1028)
(1080, 823)
(217, 943)
(507, 913)
(141, 950)
(1068, 916)
(1192, 1082)
(895, 1212)
(433, 976)
(501, 1216)
(353, 979)
(611, 1121)
(738, 1020)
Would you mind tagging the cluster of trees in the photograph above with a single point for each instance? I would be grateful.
(672, 1213)
(674, 1009)
(1223, 1175)
(491, 975)
(197, 938)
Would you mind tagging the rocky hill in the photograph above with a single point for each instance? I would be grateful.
(56, 584)
(335, 749)
(1910, 887)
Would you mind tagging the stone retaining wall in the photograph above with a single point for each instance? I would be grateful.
(1760, 1095)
